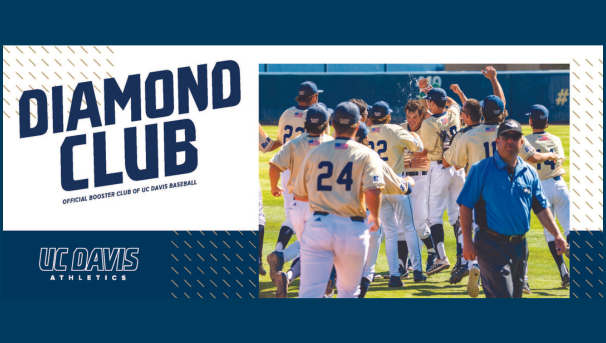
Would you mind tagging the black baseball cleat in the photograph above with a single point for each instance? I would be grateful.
(473, 284)
(419, 277)
(281, 285)
(431, 259)
(456, 266)
(459, 274)
(566, 280)
(438, 266)
(394, 281)
(276, 263)
(261, 269)
(526, 289)
(409, 264)
(567, 252)
(403, 272)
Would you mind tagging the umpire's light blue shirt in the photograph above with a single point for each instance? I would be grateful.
(501, 204)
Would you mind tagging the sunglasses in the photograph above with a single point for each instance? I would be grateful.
(514, 136)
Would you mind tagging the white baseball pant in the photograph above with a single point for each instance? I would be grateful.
(445, 185)
(333, 240)
(374, 246)
(557, 194)
(396, 215)
(418, 197)
(299, 213)
(261, 214)
(288, 198)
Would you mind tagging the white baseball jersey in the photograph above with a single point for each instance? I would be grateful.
(390, 141)
(556, 191)
(480, 143)
(546, 142)
(393, 183)
(335, 175)
(294, 151)
(291, 124)
(439, 128)
(265, 143)
(408, 152)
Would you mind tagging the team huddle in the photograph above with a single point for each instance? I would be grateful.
(373, 180)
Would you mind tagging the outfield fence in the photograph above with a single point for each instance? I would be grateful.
(277, 90)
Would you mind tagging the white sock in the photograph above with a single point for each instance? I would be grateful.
(563, 270)
(279, 247)
(431, 250)
(526, 273)
(441, 251)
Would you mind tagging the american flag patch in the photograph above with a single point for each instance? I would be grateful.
(543, 138)
(444, 120)
(375, 129)
(314, 142)
(298, 114)
(490, 129)
(341, 146)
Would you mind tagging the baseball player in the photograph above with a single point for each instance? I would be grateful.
(471, 114)
(290, 126)
(390, 142)
(266, 144)
(445, 184)
(393, 185)
(340, 179)
(550, 173)
(290, 158)
(417, 168)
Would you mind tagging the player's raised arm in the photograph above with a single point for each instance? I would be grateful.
(491, 74)
(455, 88)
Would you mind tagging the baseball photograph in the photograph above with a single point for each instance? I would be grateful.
(414, 181)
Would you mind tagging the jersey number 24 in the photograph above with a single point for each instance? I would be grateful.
(345, 177)
(548, 162)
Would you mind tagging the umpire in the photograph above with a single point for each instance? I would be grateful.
(502, 190)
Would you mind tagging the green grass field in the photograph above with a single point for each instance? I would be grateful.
(543, 275)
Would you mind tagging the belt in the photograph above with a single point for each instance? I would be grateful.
(415, 173)
(557, 178)
(439, 161)
(502, 237)
(353, 219)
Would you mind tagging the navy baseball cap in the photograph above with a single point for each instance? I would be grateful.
(492, 104)
(436, 94)
(318, 114)
(309, 88)
(380, 110)
(361, 133)
(346, 113)
(509, 125)
(538, 112)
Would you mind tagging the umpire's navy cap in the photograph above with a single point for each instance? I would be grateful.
(436, 94)
(380, 110)
(492, 104)
(509, 125)
(538, 112)
(346, 113)
(318, 114)
(361, 133)
(309, 88)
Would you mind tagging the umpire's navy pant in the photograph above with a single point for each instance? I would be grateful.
(502, 264)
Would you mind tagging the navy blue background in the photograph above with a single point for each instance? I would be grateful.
(273, 23)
